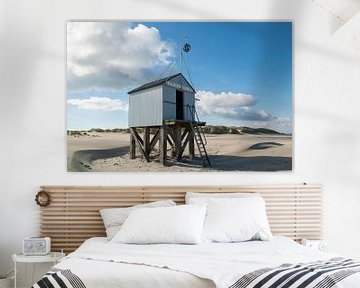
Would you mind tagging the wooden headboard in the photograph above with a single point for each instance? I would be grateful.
(73, 214)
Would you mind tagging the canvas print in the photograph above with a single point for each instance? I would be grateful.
(179, 96)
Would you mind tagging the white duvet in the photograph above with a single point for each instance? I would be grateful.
(100, 263)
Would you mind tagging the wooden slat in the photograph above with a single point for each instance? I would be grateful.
(73, 216)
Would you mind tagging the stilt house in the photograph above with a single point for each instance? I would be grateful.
(167, 106)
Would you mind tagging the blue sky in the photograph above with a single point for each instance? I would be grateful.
(242, 70)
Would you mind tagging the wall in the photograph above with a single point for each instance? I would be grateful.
(145, 107)
(169, 102)
(32, 116)
(189, 103)
(169, 98)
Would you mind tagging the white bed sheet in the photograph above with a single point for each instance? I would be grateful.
(106, 274)
(101, 274)
(100, 263)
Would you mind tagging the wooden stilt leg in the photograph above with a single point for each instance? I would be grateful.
(177, 142)
(147, 141)
(163, 145)
(171, 140)
(187, 135)
(132, 146)
(154, 140)
(140, 143)
(191, 145)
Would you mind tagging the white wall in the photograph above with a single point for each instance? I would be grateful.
(32, 116)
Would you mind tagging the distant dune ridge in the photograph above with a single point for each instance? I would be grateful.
(208, 129)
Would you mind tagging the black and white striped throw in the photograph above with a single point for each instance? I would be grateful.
(59, 278)
(320, 274)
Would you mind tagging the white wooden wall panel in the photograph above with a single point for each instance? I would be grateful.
(145, 108)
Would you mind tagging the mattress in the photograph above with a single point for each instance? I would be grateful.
(99, 263)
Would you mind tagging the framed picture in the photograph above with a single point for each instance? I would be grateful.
(179, 96)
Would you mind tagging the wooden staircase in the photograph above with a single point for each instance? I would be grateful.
(199, 137)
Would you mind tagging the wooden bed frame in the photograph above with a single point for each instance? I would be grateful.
(73, 215)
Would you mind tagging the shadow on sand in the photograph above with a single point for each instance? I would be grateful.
(264, 145)
(251, 163)
(237, 163)
(81, 160)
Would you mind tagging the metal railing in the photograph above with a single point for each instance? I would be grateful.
(195, 118)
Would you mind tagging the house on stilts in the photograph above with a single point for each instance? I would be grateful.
(166, 108)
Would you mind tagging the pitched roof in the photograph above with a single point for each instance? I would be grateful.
(158, 83)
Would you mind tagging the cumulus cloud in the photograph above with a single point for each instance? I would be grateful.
(231, 105)
(114, 54)
(99, 103)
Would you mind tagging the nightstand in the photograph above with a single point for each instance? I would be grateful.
(53, 257)
(320, 245)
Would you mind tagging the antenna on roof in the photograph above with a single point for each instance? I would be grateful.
(185, 48)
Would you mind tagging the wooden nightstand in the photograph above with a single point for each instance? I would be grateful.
(53, 257)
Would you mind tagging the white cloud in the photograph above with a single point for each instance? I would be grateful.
(99, 103)
(231, 105)
(114, 54)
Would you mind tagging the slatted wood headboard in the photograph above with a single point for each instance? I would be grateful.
(73, 215)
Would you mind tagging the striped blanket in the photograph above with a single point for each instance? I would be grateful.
(320, 274)
(59, 278)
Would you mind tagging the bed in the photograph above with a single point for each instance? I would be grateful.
(99, 263)
(294, 212)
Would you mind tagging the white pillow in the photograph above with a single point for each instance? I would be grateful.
(204, 198)
(113, 218)
(173, 225)
(236, 220)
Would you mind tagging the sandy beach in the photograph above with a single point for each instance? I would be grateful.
(109, 152)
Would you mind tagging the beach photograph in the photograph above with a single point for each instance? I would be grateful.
(179, 96)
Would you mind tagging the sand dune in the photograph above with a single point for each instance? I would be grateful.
(109, 152)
